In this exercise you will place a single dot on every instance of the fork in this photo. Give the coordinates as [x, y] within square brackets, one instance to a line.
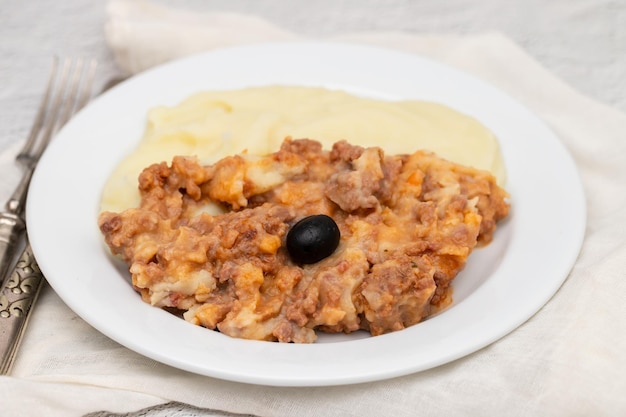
[65, 94]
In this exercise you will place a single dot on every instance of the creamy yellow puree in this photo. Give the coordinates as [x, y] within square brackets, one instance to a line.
[215, 124]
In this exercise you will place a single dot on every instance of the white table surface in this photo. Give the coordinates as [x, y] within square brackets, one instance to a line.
[581, 41]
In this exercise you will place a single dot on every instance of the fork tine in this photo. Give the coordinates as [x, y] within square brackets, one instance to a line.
[51, 117]
[87, 87]
[76, 100]
[41, 112]
[74, 91]
[69, 103]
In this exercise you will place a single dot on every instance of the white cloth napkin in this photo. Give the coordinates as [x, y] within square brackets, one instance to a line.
[567, 360]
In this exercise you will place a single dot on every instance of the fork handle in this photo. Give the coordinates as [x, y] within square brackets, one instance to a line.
[12, 224]
[17, 296]
[11, 229]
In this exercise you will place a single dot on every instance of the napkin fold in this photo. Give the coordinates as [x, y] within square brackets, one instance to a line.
[142, 34]
[567, 360]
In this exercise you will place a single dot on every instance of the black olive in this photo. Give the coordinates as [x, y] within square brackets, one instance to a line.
[312, 239]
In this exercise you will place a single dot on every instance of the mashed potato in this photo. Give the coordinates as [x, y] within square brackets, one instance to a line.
[212, 125]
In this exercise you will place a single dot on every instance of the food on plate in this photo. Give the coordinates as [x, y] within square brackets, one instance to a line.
[406, 224]
[214, 124]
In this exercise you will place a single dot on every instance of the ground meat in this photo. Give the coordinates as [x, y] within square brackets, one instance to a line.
[407, 222]
[355, 188]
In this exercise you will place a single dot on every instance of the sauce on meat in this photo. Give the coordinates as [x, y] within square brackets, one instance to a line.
[407, 224]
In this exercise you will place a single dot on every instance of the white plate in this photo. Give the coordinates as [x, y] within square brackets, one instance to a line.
[502, 286]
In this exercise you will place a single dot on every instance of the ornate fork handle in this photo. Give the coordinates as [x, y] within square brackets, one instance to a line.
[18, 294]
[12, 224]
[11, 229]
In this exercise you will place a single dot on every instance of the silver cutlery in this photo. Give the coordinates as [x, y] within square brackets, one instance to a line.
[68, 90]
